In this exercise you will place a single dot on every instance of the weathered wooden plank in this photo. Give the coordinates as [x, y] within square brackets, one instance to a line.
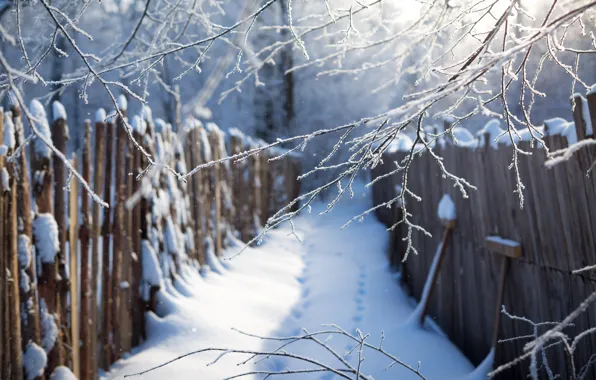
[86, 318]
[106, 275]
[503, 246]
[73, 240]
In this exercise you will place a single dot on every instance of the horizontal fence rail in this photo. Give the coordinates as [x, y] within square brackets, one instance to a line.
[80, 278]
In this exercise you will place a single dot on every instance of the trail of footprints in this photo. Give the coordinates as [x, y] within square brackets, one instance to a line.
[358, 299]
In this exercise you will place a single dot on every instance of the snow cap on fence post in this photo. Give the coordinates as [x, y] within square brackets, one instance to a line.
[139, 125]
[45, 233]
[9, 136]
[100, 116]
[446, 211]
[42, 126]
[122, 103]
[58, 111]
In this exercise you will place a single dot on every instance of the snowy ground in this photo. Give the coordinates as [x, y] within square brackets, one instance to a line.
[331, 276]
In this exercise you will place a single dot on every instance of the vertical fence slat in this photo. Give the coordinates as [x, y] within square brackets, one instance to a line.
[4, 307]
[86, 324]
[49, 278]
[70, 294]
[106, 275]
[73, 205]
[119, 237]
[30, 324]
[59, 139]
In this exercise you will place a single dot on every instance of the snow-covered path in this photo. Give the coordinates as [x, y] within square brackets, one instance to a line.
[330, 276]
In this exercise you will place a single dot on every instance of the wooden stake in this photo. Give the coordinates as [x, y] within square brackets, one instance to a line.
[106, 276]
[29, 324]
[86, 292]
[49, 280]
[13, 282]
[73, 270]
[59, 139]
[449, 226]
[137, 302]
[119, 237]
[97, 188]
[508, 249]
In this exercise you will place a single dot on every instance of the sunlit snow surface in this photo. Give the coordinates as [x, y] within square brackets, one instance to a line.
[331, 276]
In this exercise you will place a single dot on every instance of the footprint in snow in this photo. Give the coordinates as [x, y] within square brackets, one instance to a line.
[302, 278]
[305, 292]
[297, 313]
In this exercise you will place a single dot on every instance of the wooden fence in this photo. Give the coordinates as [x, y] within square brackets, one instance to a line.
[84, 307]
[556, 229]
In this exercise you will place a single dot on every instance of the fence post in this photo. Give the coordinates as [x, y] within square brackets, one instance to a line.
[254, 186]
[137, 302]
[4, 306]
[30, 324]
[48, 280]
[216, 185]
[118, 235]
[86, 295]
[264, 169]
[130, 254]
[59, 139]
[197, 191]
[591, 98]
[206, 190]
[238, 188]
[106, 289]
[9, 189]
[578, 117]
[73, 271]
[98, 179]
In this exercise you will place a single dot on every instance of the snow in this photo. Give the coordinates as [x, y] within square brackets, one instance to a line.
[235, 132]
[147, 114]
[122, 102]
[24, 251]
[212, 260]
[100, 115]
[34, 361]
[203, 113]
[152, 274]
[58, 111]
[4, 180]
[205, 145]
[503, 241]
[585, 114]
[41, 123]
[562, 127]
[139, 125]
[494, 130]
[284, 285]
[62, 373]
[45, 235]
[434, 267]
[9, 136]
[49, 329]
[446, 210]
[481, 372]
[464, 138]
[3, 150]
[401, 143]
[170, 237]
[160, 126]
